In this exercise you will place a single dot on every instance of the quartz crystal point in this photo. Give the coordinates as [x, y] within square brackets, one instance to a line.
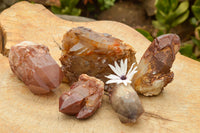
[84, 97]
[33, 65]
[89, 52]
[154, 67]
[126, 103]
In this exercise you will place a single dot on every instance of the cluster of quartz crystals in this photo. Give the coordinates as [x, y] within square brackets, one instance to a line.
[33, 65]
[89, 52]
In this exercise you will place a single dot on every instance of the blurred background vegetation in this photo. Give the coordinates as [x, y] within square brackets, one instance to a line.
[151, 18]
[86, 7]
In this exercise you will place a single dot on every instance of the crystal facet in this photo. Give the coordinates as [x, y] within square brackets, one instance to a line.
[33, 64]
[89, 52]
[84, 97]
[154, 67]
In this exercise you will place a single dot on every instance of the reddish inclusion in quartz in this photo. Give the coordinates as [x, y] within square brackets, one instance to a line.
[33, 64]
[84, 97]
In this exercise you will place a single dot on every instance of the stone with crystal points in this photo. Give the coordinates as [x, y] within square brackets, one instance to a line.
[84, 97]
[33, 65]
[89, 52]
[154, 67]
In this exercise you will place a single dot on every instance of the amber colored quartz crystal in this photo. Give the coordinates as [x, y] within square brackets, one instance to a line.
[154, 67]
[89, 52]
[33, 65]
[84, 97]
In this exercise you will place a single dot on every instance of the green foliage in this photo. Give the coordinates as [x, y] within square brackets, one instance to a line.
[145, 34]
[196, 19]
[196, 42]
[67, 7]
[105, 4]
[196, 9]
[160, 32]
[70, 6]
[170, 13]
[148, 35]
[188, 51]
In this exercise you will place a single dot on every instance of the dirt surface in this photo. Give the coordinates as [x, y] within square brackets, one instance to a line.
[184, 30]
[130, 13]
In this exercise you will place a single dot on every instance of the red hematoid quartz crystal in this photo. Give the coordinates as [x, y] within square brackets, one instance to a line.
[33, 64]
[84, 97]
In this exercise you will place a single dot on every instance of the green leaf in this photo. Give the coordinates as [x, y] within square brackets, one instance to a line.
[161, 16]
[181, 19]
[163, 5]
[196, 11]
[105, 4]
[193, 21]
[76, 11]
[174, 4]
[182, 8]
[73, 3]
[159, 33]
[196, 42]
[67, 7]
[158, 25]
[66, 10]
[169, 14]
[109, 3]
[187, 50]
[145, 34]
[56, 10]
